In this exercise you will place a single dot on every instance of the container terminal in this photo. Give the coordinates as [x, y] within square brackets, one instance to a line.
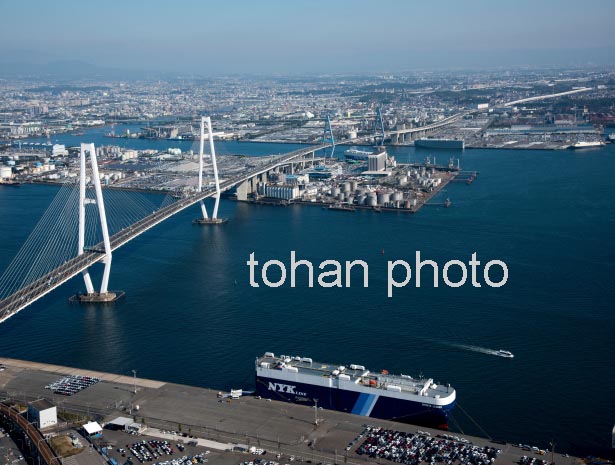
[225, 428]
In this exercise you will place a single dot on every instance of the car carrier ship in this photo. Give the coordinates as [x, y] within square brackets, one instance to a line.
[354, 389]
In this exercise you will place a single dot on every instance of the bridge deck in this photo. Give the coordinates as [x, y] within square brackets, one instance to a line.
[42, 286]
[20, 299]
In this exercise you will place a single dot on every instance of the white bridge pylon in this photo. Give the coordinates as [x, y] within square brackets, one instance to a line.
[83, 201]
[206, 120]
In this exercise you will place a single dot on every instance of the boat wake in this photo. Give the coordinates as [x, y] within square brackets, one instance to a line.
[484, 350]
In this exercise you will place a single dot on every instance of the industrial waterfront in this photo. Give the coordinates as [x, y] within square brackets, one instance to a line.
[548, 214]
[329, 233]
[229, 427]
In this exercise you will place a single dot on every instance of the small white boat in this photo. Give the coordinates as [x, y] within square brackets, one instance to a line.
[504, 353]
[587, 144]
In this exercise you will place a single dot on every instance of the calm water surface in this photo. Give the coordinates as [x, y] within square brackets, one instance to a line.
[190, 315]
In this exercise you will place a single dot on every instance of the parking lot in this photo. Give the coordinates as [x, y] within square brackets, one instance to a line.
[130, 449]
[72, 384]
[9, 452]
[415, 448]
[532, 461]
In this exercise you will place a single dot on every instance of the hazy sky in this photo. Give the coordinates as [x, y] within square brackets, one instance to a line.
[302, 36]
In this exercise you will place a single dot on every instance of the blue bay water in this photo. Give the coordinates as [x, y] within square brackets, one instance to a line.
[191, 316]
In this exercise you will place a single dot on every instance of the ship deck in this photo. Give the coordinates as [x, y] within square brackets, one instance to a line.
[361, 376]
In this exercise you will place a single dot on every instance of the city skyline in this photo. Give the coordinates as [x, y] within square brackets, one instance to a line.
[314, 37]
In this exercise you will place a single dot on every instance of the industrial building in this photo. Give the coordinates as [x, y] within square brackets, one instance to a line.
[42, 413]
[283, 192]
[124, 424]
[6, 172]
[92, 429]
[118, 424]
[377, 161]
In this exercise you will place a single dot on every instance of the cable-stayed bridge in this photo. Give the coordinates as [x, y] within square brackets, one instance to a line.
[40, 268]
[37, 288]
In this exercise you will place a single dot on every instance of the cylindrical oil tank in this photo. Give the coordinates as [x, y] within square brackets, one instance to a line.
[346, 187]
[397, 196]
[403, 180]
[361, 200]
[335, 191]
[371, 201]
[353, 185]
[350, 199]
[384, 197]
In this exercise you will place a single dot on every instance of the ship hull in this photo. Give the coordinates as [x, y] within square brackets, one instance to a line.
[359, 403]
[451, 144]
[359, 157]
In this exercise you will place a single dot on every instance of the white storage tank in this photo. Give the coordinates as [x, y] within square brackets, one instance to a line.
[384, 197]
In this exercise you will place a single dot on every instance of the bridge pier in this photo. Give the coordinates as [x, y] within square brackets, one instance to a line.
[242, 191]
[249, 186]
